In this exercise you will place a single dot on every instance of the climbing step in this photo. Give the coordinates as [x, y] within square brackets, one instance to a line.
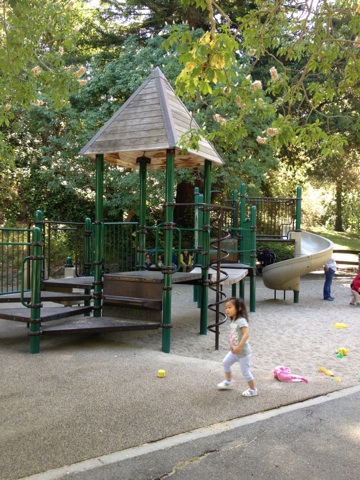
[76, 282]
[98, 324]
[46, 296]
[46, 313]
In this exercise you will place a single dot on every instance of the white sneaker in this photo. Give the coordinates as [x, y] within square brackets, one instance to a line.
[250, 392]
[225, 385]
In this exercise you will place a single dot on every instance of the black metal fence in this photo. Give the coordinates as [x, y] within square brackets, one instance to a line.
[274, 216]
[14, 247]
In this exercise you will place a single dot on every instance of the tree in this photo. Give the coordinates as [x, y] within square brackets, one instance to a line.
[305, 58]
[33, 54]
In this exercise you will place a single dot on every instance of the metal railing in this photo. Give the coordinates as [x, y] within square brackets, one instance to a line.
[15, 244]
[275, 216]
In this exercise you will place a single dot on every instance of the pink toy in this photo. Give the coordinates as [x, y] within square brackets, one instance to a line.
[284, 375]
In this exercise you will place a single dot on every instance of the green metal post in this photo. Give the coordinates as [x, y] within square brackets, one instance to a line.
[197, 238]
[168, 234]
[298, 227]
[253, 257]
[200, 247]
[99, 235]
[205, 250]
[39, 222]
[143, 161]
[36, 274]
[87, 247]
[298, 209]
[242, 217]
[87, 258]
[235, 215]
[234, 229]
[241, 288]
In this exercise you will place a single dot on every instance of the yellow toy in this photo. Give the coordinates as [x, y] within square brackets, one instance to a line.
[343, 351]
[340, 325]
[327, 372]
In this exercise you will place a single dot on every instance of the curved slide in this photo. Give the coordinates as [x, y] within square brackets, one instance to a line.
[315, 251]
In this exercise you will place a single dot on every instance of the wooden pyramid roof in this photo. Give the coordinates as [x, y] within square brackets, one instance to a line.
[149, 123]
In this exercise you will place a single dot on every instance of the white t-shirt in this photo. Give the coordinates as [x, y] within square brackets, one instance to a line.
[236, 334]
[331, 264]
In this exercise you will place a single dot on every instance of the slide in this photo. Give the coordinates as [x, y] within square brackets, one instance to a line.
[314, 250]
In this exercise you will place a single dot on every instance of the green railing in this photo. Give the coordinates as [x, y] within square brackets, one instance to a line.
[15, 245]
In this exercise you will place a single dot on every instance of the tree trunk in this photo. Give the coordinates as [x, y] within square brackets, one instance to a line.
[338, 206]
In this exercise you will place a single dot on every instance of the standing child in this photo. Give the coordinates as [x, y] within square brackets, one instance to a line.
[240, 350]
[329, 270]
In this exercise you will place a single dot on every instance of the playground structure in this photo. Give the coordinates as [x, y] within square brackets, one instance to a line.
[144, 134]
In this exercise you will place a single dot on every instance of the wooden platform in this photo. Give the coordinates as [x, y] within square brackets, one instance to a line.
[98, 324]
[46, 296]
[83, 283]
[228, 276]
[155, 276]
[46, 313]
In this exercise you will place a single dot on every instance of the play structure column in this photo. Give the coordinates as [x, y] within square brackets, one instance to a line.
[253, 258]
[99, 234]
[297, 234]
[35, 314]
[198, 221]
[205, 249]
[143, 162]
[242, 221]
[168, 234]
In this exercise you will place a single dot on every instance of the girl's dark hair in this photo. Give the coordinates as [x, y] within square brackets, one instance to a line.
[240, 307]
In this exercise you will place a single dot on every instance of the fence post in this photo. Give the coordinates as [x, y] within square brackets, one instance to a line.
[235, 214]
[35, 306]
[242, 218]
[87, 247]
[253, 258]
[298, 209]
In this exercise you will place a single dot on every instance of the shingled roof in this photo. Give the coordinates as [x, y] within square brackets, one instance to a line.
[149, 123]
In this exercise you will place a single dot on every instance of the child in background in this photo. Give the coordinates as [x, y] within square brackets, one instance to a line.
[329, 270]
[355, 290]
[148, 261]
[240, 350]
[186, 261]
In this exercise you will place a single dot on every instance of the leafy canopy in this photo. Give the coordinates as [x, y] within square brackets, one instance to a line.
[33, 54]
[301, 44]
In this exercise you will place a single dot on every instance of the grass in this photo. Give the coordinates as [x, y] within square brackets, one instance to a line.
[341, 240]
